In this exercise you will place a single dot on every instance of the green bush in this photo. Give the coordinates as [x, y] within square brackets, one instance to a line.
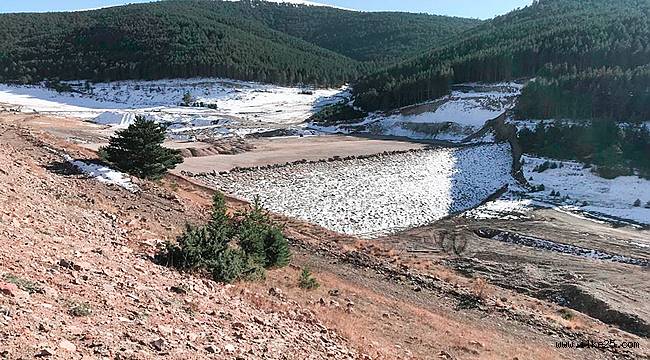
[612, 172]
[276, 248]
[228, 266]
[230, 249]
[611, 149]
[307, 281]
[138, 150]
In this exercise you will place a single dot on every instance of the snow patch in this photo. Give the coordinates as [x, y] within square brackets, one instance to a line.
[588, 192]
[228, 105]
[103, 174]
[119, 119]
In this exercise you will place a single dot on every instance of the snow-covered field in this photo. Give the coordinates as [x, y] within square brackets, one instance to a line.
[239, 106]
[450, 118]
[377, 195]
[590, 193]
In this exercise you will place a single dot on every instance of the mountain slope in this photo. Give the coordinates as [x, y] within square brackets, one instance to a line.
[168, 39]
[383, 37]
[78, 275]
[248, 40]
[542, 39]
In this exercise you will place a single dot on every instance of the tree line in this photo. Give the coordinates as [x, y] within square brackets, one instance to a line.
[610, 93]
[613, 149]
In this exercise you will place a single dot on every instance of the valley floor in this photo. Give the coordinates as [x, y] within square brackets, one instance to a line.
[77, 280]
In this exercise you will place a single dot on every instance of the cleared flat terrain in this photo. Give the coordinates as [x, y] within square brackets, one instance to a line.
[289, 149]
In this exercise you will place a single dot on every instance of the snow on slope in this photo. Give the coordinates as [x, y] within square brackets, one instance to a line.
[239, 104]
[377, 195]
[450, 118]
[103, 174]
[590, 193]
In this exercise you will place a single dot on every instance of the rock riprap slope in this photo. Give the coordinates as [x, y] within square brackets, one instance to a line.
[379, 194]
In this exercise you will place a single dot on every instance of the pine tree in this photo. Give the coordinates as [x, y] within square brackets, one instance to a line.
[220, 226]
[138, 150]
[277, 249]
[307, 281]
[228, 266]
[252, 232]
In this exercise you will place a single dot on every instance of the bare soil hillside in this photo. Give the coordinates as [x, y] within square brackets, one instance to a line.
[77, 281]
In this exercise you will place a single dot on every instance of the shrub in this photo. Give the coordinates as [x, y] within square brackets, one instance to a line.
[228, 266]
[647, 205]
[79, 309]
[337, 114]
[24, 284]
[261, 240]
[566, 314]
[229, 249]
[637, 203]
[277, 249]
[542, 167]
[612, 172]
[307, 281]
[138, 150]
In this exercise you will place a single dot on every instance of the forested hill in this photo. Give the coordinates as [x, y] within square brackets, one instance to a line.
[248, 40]
[583, 53]
[382, 37]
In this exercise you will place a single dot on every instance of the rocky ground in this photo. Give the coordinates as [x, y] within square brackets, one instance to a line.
[77, 281]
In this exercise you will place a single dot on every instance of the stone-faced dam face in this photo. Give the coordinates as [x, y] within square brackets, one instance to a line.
[380, 194]
[504, 132]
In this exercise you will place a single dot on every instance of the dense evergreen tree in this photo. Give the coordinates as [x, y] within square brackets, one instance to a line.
[610, 93]
[138, 150]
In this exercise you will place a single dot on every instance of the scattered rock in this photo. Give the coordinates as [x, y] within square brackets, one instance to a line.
[44, 352]
[180, 289]
[477, 344]
[275, 292]
[69, 265]
[9, 289]
[158, 345]
[67, 346]
[212, 349]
